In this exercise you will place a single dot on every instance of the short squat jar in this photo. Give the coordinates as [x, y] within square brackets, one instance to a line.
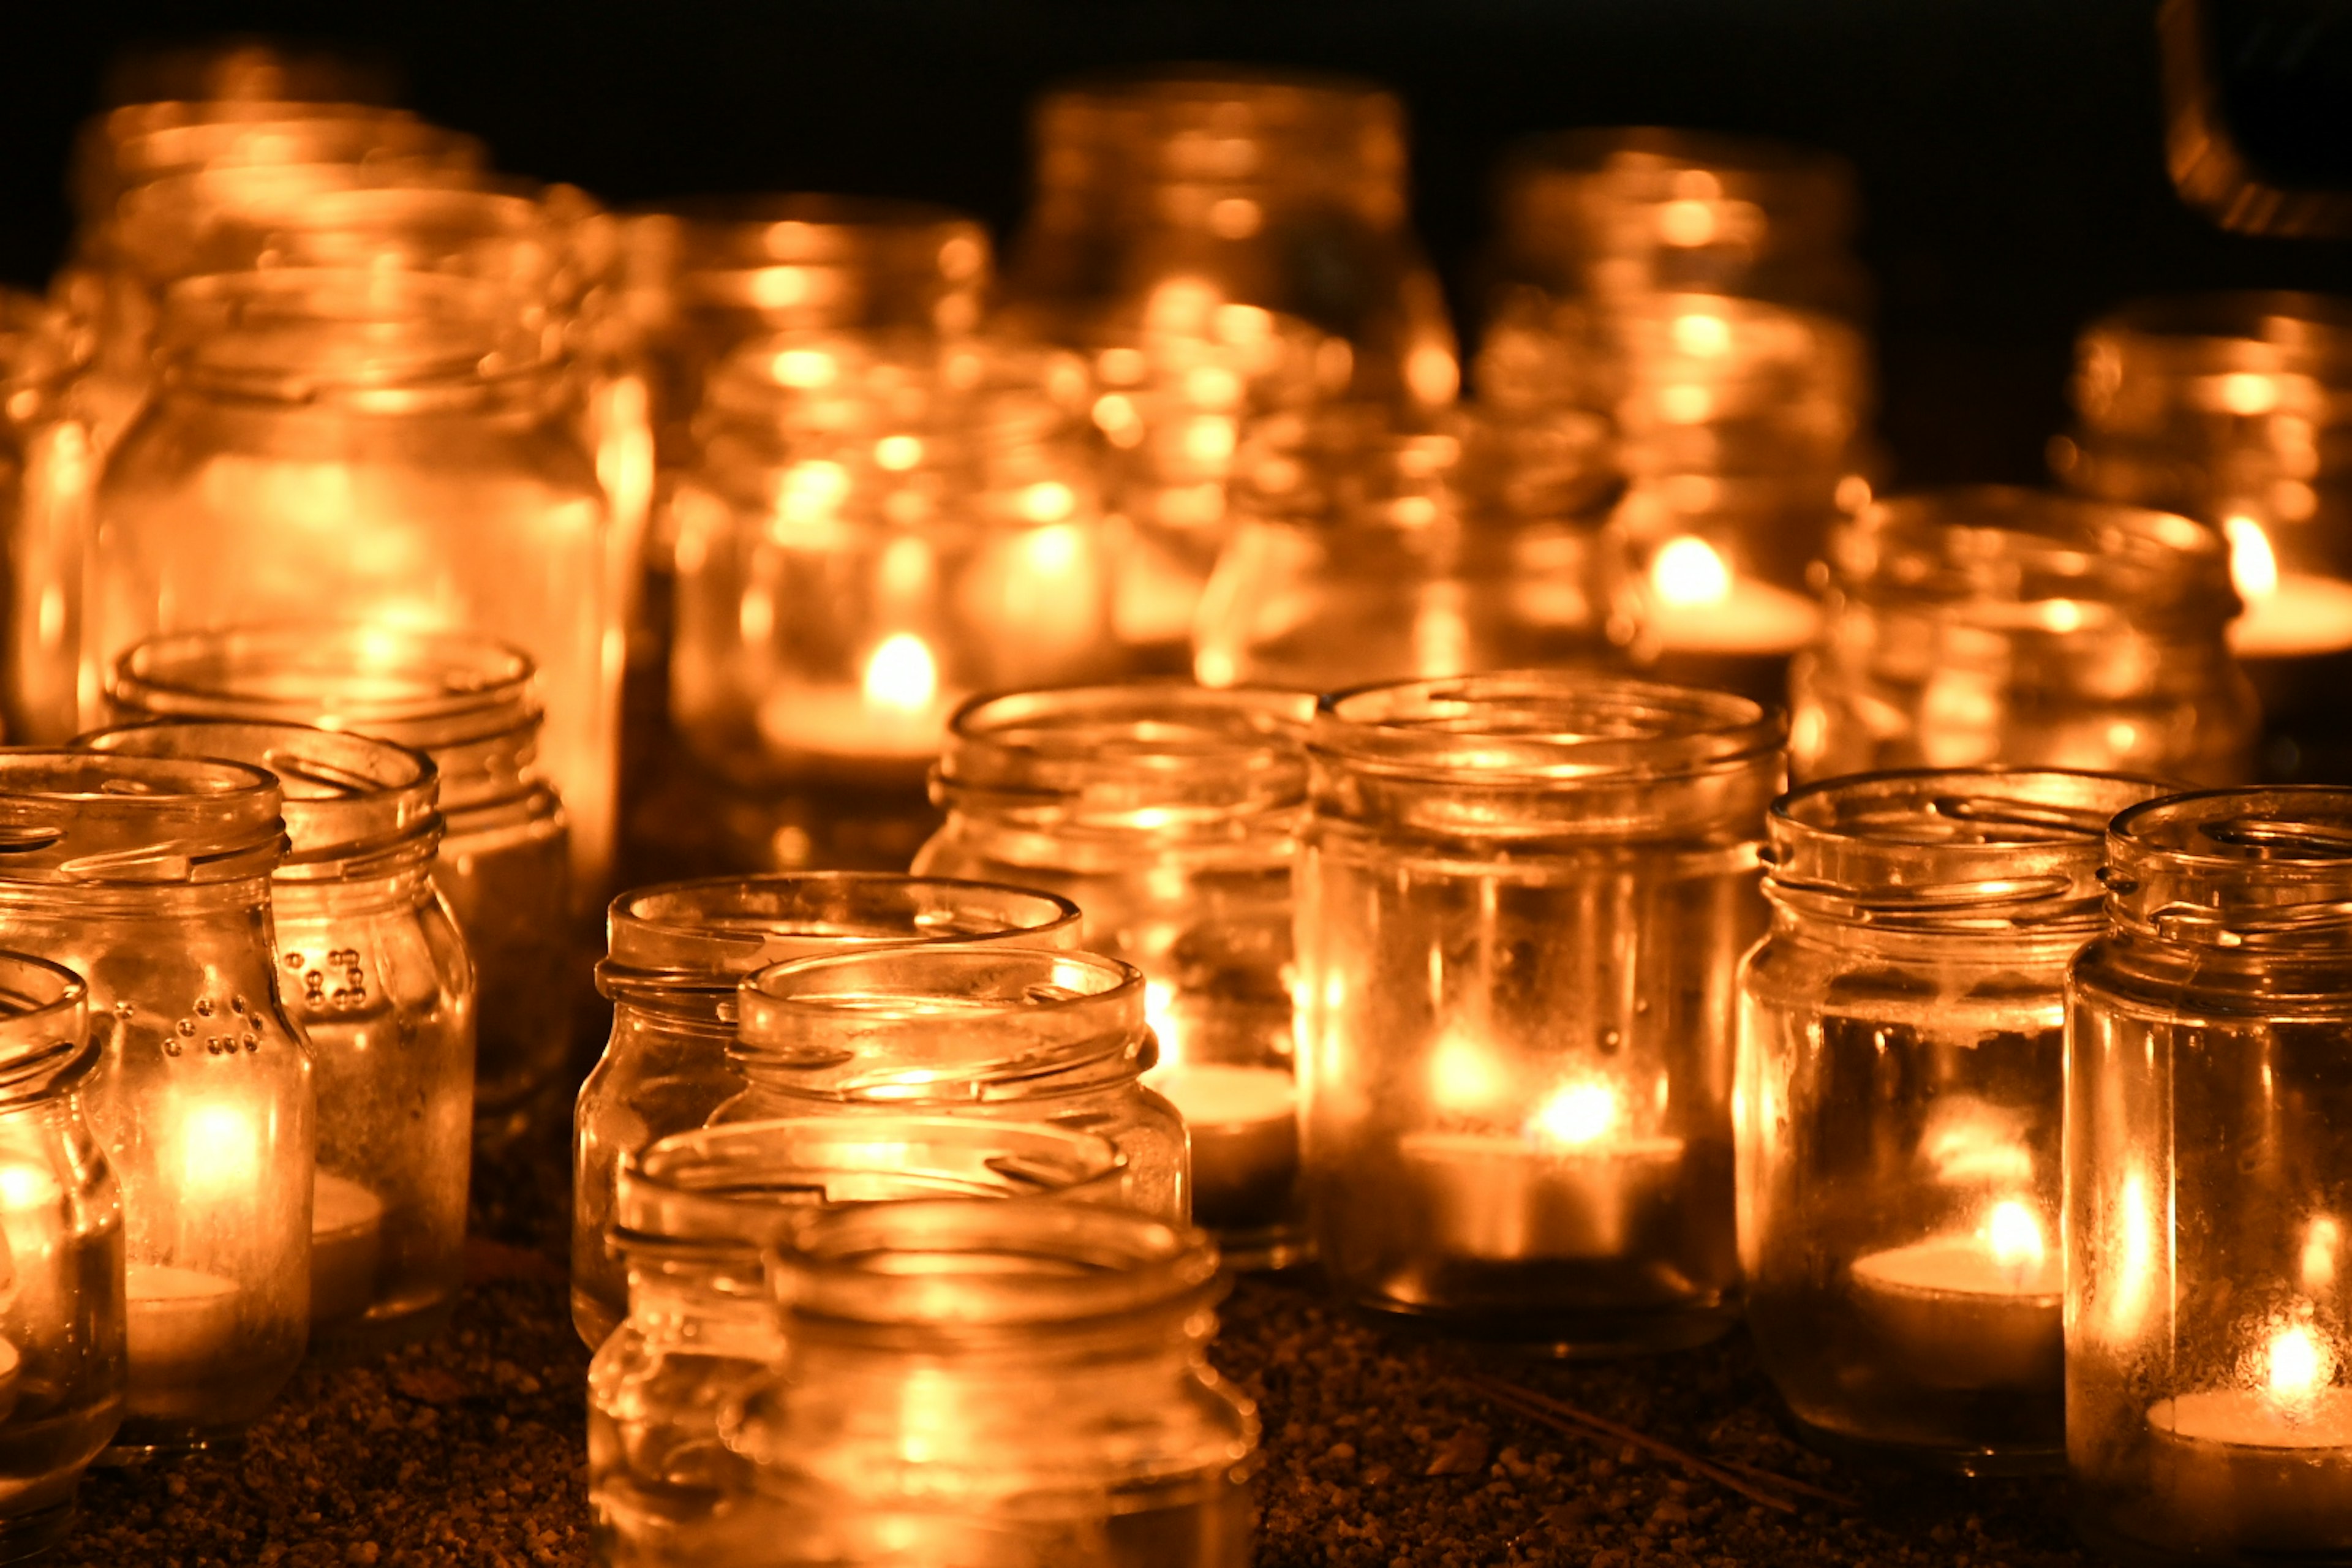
[2209, 1184]
[1902, 1048]
[471, 705]
[372, 969]
[1521, 903]
[1170, 816]
[1016, 1034]
[692, 1214]
[150, 878]
[678, 952]
[62, 1358]
[1031, 1371]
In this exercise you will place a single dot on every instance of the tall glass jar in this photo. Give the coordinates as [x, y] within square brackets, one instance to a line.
[472, 706]
[1521, 903]
[372, 971]
[1902, 1048]
[1032, 1367]
[678, 951]
[1990, 625]
[62, 1358]
[305, 413]
[150, 878]
[48, 473]
[1169, 815]
[2209, 1184]
[1017, 1033]
[693, 1212]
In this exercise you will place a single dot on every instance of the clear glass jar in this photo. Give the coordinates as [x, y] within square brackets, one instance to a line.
[62, 1358]
[692, 1213]
[1032, 1367]
[1018, 1034]
[1902, 1048]
[303, 411]
[872, 532]
[48, 473]
[472, 706]
[2209, 1184]
[1989, 625]
[678, 951]
[1169, 815]
[1521, 903]
[372, 971]
[150, 878]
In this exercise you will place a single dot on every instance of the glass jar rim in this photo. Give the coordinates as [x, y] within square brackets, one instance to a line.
[90, 817]
[738, 233]
[2249, 329]
[44, 1015]
[299, 333]
[2268, 865]
[392, 138]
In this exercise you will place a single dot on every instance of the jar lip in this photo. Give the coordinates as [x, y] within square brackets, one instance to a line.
[299, 332]
[1229, 92]
[707, 933]
[2261, 867]
[2278, 324]
[92, 817]
[1556, 728]
[384, 137]
[1016, 1262]
[736, 231]
[1649, 162]
[44, 1013]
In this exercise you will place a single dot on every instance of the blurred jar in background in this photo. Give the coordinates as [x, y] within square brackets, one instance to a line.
[471, 705]
[871, 533]
[48, 472]
[2236, 409]
[1699, 289]
[1364, 553]
[404, 446]
[1988, 626]
[1200, 232]
[247, 69]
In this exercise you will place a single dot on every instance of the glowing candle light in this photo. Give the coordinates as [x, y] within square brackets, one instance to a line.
[1700, 605]
[2288, 613]
[1973, 1310]
[2268, 1461]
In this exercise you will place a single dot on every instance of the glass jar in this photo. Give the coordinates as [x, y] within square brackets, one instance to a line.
[872, 532]
[372, 971]
[1169, 815]
[1989, 625]
[677, 952]
[1901, 1047]
[1521, 903]
[303, 411]
[692, 1213]
[62, 1358]
[2209, 1183]
[472, 706]
[48, 473]
[150, 878]
[1032, 1367]
[1018, 1034]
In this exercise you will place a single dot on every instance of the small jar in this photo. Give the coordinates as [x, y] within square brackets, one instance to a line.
[1988, 626]
[150, 878]
[1169, 815]
[677, 952]
[2209, 1184]
[1038, 1369]
[693, 1212]
[1902, 1048]
[472, 706]
[62, 1359]
[1015, 1034]
[1521, 903]
[372, 971]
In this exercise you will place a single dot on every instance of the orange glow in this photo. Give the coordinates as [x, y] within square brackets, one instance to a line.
[1160, 1012]
[1464, 1077]
[2253, 565]
[2015, 1236]
[2296, 1365]
[1581, 1114]
[901, 675]
[1688, 571]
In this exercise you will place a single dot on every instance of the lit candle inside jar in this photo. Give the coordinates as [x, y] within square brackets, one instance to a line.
[2266, 1466]
[1699, 605]
[346, 1246]
[1241, 1121]
[181, 1323]
[1981, 1311]
[896, 712]
[2288, 614]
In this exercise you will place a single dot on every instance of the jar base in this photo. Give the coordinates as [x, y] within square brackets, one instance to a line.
[373, 1334]
[2131, 1552]
[1956, 1458]
[1581, 1334]
[28, 1535]
[141, 1443]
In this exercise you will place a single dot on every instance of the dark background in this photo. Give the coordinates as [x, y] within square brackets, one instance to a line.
[2010, 150]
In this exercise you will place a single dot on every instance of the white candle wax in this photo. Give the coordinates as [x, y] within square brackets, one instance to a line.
[1512, 1198]
[1243, 1122]
[180, 1320]
[1957, 1316]
[2302, 615]
[346, 1248]
[1751, 618]
[2246, 1469]
[841, 723]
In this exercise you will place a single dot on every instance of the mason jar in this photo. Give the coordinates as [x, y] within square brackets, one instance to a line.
[1170, 815]
[1032, 1368]
[693, 1212]
[150, 878]
[1902, 1052]
[2209, 1184]
[989, 1030]
[1521, 903]
[372, 971]
[302, 410]
[1986, 626]
[678, 951]
[471, 705]
[62, 1357]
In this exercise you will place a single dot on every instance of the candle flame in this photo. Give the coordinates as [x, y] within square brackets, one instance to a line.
[2298, 1365]
[1688, 571]
[900, 674]
[2253, 565]
[2321, 1243]
[2015, 1236]
[1160, 1012]
[1464, 1077]
[1578, 1115]
[220, 1149]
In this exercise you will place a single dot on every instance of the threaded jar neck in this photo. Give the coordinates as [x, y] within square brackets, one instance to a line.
[86, 818]
[2262, 870]
[44, 1026]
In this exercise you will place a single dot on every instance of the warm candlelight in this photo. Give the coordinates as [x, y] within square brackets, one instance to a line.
[2288, 613]
[1243, 1122]
[1975, 1310]
[1699, 605]
[897, 711]
[346, 1246]
[2267, 1463]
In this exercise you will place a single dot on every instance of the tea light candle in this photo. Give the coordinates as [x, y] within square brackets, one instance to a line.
[1699, 605]
[1982, 1311]
[1243, 1122]
[897, 711]
[2301, 616]
[346, 1246]
[1572, 1186]
[2269, 1469]
[179, 1320]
